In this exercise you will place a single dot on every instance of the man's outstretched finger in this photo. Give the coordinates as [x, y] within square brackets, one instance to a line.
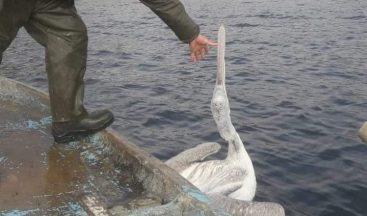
[198, 55]
[203, 53]
[192, 57]
[206, 50]
[211, 43]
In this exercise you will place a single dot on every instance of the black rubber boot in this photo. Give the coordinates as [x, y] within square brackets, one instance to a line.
[73, 130]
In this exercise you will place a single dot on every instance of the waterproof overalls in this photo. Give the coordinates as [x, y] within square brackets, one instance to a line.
[56, 25]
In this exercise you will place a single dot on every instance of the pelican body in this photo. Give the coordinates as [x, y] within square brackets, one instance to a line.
[234, 176]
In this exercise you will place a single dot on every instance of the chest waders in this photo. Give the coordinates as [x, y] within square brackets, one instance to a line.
[56, 25]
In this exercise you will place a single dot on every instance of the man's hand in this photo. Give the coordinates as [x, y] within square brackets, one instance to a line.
[199, 47]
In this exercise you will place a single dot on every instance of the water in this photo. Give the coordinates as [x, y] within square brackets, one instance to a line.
[296, 81]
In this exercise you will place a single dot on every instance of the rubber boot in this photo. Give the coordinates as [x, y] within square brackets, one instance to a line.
[73, 130]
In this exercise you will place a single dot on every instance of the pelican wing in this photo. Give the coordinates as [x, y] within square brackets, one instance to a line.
[227, 188]
[245, 208]
[196, 154]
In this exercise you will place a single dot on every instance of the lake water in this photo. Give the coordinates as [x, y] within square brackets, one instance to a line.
[296, 79]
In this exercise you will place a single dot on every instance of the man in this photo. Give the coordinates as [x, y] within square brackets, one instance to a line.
[56, 25]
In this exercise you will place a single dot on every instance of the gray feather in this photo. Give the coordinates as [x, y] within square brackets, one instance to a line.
[198, 153]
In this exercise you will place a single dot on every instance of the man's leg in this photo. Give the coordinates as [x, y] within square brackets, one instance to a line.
[13, 15]
[56, 25]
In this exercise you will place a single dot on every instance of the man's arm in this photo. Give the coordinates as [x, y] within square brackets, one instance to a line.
[173, 13]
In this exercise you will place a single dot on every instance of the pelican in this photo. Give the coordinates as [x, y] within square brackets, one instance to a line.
[233, 177]
[363, 132]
